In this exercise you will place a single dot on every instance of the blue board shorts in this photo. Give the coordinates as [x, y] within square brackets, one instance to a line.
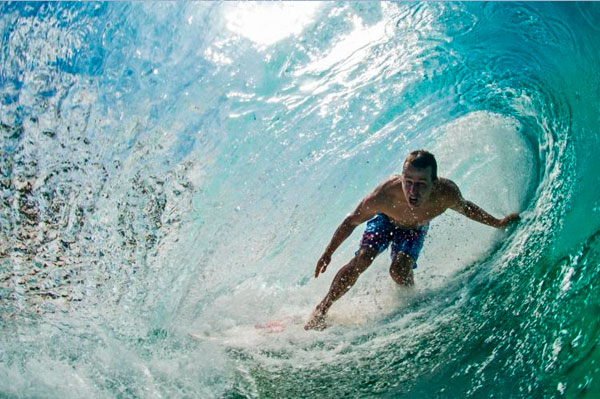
[381, 231]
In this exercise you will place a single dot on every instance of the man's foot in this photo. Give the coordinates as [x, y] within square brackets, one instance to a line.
[316, 322]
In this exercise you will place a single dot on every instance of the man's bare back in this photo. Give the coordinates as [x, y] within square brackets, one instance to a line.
[407, 202]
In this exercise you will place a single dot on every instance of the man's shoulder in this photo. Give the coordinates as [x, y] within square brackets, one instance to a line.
[394, 179]
[392, 183]
[447, 188]
[447, 183]
[388, 187]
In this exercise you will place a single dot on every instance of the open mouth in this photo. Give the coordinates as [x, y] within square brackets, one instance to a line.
[413, 200]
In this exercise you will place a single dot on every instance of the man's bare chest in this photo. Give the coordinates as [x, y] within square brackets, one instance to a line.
[407, 217]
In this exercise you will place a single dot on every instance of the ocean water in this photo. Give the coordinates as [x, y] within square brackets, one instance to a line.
[171, 172]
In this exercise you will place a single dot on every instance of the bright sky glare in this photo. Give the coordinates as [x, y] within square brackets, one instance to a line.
[266, 23]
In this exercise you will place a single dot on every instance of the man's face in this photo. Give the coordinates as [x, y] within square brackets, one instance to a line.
[416, 184]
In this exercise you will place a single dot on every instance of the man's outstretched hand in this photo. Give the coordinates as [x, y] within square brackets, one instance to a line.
[510, 219]
[322, 264]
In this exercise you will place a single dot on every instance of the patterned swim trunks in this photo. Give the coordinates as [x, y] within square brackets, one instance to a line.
[381, 231]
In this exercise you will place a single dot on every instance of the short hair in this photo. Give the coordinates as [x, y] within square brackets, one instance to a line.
[423, 159]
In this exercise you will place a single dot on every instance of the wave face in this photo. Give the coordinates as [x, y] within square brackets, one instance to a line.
[171, 172]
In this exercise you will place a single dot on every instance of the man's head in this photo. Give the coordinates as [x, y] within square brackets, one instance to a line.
[418, 175]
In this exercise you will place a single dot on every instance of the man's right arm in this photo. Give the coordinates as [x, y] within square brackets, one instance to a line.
[365, 211]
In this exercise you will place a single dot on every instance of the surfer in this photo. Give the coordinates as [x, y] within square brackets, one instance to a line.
[397, 212]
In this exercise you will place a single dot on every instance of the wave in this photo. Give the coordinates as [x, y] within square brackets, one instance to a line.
[171, 172]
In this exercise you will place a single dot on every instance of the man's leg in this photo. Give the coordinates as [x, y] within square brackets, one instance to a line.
[342, 282]
[401, 269]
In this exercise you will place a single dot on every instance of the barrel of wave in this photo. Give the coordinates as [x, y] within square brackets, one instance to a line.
[487, 155]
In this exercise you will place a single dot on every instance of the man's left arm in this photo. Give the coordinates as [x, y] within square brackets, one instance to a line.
[474, 212]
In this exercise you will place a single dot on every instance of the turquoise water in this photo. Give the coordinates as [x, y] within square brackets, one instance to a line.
[171, 172]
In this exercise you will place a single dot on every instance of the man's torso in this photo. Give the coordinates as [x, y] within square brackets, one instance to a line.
[392, 202]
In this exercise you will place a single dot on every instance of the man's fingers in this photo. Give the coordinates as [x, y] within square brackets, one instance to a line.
[514, 218]
[321, 267]
[318, 270]
[510, 219]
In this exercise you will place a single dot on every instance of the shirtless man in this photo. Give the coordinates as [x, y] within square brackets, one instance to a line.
[398, 211]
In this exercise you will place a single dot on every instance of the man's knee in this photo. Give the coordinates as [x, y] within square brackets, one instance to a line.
[402, 263]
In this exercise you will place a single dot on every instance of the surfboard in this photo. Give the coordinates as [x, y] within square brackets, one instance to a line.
[272, 326]
[244, 335]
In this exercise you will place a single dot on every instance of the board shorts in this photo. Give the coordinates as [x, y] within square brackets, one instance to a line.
[381, 231]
